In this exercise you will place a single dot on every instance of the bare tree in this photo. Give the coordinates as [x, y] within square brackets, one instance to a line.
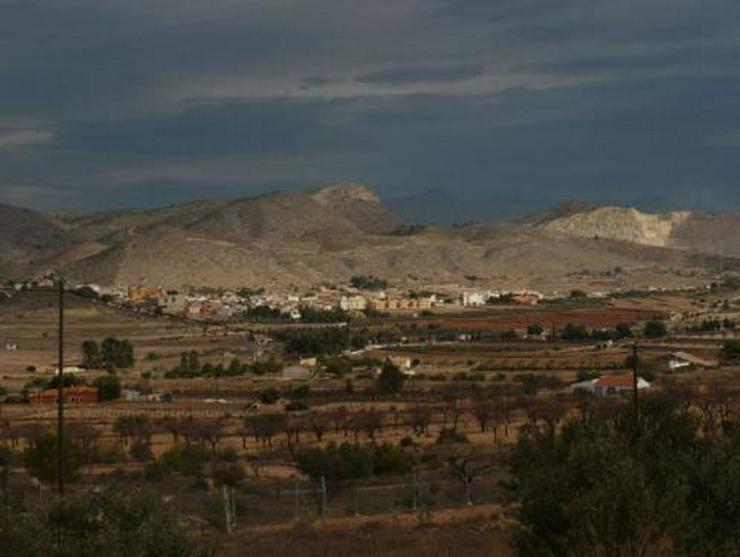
[419, 418]
[466, 467]
[319, 422]
[369, 421]
[87, 436]
[264, 427]
[483, 410]
[339, 415]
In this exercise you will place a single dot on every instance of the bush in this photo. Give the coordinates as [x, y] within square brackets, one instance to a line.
[109, 387]
[391, 379]
[133, 523]
[347, 461]
[573, 332]
[449, 436]
[606, 484]
[368, 282]
[269, 396]
[655, 328]
[188, 460]
[41, 459]
[731, 350]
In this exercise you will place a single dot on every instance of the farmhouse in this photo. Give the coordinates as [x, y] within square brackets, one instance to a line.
[353, 303]
[72, 369]
[475, 299]
[71, 395]
[141, 294]
[610, 385]
[525, 298]
[296, 372]
[132, 395]
[679, 360]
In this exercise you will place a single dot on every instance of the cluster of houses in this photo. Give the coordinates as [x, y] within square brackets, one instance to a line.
[223, 305]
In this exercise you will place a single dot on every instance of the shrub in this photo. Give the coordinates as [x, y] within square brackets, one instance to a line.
[655, 328]
[391, 379]
[188, 460]
[109, 387]
[269, 396]
[731, 350]
[450, 436]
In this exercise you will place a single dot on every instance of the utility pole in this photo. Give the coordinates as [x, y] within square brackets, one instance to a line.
[634, 375]
[60, 395]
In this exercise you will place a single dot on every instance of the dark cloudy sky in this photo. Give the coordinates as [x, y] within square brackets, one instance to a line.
[122, 102]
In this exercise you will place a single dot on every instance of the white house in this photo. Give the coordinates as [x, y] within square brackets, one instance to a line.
[353, 303]
[296, 372]
[475, 299]
[610, 384]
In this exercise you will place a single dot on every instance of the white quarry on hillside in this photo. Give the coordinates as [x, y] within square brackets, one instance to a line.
[621, 224]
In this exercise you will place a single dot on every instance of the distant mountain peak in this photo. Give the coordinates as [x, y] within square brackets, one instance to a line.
[343, 191]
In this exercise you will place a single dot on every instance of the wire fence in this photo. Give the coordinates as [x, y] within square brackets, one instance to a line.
[298, 500]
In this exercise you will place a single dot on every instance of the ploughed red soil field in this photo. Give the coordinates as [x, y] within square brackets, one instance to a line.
[590, 317]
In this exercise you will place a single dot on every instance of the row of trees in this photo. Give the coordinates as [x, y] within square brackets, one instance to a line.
[112, 353]
[190, 366]
[308, 314]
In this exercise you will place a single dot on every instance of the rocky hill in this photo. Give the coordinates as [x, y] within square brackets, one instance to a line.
[302, 238]
[696, 232]
[27, 239]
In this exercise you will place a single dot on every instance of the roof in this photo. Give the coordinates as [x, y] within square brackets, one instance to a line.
[693, 359]
[623, 381]
[70, 391]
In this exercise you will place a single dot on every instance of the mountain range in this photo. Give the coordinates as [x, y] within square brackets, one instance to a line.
[296, 239]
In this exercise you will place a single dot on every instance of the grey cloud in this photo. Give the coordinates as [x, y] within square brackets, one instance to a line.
[108, 102]
[423, 74]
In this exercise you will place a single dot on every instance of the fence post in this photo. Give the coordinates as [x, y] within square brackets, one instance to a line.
[415, 493]
[295, 501]
[357, 497]
[323, 497]
[227, 509]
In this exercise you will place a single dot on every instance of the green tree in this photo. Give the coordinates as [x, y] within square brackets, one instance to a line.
[193, 362]
[235, 367]
[109, 387]
[655, 328]
[614, 482]
[391, 379]
[573, 332]
[41, 459]
[116, 353]
[91, 357]
[731, 350]
[135, 523]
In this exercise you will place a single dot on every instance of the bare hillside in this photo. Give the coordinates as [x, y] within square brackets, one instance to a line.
[696, 232]
[302, 238]
[27, 240]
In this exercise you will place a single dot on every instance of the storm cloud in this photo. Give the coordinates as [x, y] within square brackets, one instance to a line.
[106, 103]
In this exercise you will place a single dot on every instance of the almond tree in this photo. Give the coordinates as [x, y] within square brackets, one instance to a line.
[467, 466]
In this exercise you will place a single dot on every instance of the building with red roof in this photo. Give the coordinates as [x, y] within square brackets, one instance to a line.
[72, 395]
[611, 384]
